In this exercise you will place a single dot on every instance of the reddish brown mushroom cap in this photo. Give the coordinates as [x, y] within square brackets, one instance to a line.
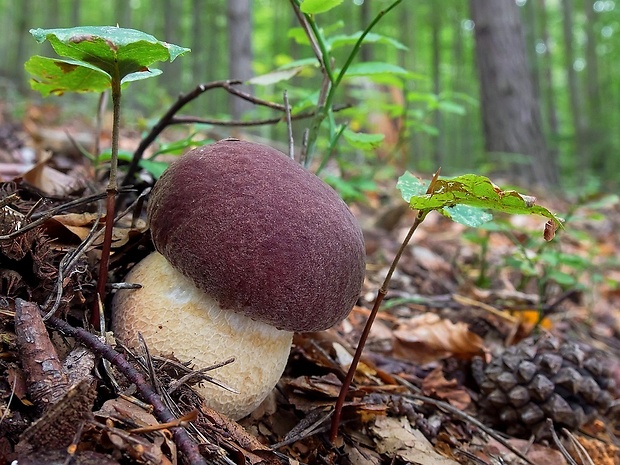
[260, 234]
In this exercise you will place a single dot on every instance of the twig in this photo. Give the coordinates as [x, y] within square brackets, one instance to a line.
[558, 443]
[464, 416]
[42, 217]
[181, 119]
[289, 126]
[373, 314]
[194, 376]
[308, 30]
[364, 336]
[185, 444]
[69, 260]
[311, 430]
[46, 378]
[583, 453]
[66, 264]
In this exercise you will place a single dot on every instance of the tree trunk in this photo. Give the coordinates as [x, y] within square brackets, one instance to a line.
[597, 139]
[201, 58]
[576, 107]
[239, 50]
[365, 19]
[510, 110]
[25, 13]
[435, 21]
[547, 74]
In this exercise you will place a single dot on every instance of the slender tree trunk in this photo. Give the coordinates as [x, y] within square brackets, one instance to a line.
[510, 110]
[597, 138]
[123, 13]
[199, 62]
[172, 76]
[239, 50]
[435, 21]
[25, 12]
[576, 108]
[529, 25]
[75, 12]
[365, 19]
[547, 78]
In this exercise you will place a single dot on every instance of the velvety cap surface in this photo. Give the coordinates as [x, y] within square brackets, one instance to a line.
[260, 234]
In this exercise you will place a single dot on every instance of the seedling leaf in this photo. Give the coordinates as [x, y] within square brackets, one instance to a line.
[318, 6]
[121, 54]
[373, 68]
[476, 192]
[57, 76]
[370, 38]
[363, 141]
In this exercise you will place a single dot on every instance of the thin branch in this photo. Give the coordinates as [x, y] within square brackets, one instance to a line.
[371, 318]
[184, 442]
[257, 122]
[289, 126]
[464, 416]
[42, 217]
[303, 21]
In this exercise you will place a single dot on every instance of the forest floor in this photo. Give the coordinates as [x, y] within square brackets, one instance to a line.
[459, 297]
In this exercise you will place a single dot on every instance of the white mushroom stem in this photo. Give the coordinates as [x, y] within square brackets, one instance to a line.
[176, 318]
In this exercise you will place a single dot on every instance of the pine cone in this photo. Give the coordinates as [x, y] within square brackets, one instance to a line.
[539, 379]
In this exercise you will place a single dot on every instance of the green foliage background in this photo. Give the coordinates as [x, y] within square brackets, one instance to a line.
[441, 117]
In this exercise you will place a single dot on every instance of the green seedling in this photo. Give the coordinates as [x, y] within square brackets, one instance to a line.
[98, 59]
[325, 44]
[464, 199]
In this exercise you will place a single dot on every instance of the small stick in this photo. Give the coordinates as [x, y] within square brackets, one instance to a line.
[373, 314]
[184, 442]
[46, 379]
[558, 443]
[289, 126]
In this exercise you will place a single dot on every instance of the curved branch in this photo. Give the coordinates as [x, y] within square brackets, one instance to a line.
[184, 442]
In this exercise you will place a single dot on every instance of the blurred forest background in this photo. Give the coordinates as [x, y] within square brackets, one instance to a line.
[430, 107]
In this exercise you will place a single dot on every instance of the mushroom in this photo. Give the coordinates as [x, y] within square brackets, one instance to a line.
[251, 247]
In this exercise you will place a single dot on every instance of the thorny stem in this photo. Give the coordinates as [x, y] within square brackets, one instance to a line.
[111, 191]
[371, 318]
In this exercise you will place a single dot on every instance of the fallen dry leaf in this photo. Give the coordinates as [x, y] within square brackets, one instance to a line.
[427, 338]
[436, 385]
[397, 439]
[49, 180]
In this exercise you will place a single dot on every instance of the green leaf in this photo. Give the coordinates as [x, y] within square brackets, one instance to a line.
[561, 278]
[275, 76]
[370, 68]
[139, 75]
[123, 54]
[342, 40]
[313, 7]
[410, 185]
[156, 168]
[451, 107]
[469, 190]
[469, 216]
[298, 35]
[57, 76]
[363, 141]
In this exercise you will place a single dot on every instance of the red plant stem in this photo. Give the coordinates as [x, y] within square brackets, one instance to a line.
[111, 191]
[364, 336]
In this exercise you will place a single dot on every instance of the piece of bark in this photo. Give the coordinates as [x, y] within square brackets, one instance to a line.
[45, 377]
[57, 428]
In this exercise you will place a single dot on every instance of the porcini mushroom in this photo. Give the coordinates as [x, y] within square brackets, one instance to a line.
[251, 247]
